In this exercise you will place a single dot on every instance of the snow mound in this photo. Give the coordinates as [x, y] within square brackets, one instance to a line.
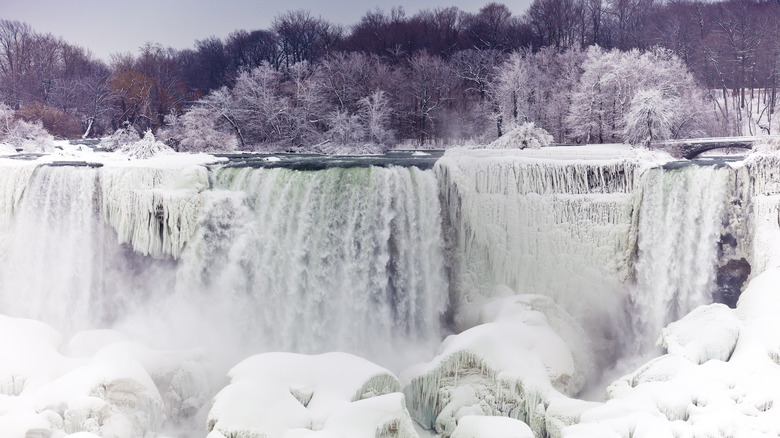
[473, 426]
[120, 390]
[337, 394]
[708, 332]
[512, 367]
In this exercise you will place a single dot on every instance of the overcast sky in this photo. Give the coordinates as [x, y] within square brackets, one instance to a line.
[111, 26]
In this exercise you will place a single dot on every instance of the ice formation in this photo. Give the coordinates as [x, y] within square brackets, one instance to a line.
[512, 364]
[333, 394]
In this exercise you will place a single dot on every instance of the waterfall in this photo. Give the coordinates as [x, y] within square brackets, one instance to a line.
[338, 259]
[680, 223]
[560, 228]
[266, 259]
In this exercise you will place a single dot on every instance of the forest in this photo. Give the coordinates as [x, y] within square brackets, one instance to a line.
[586, 71]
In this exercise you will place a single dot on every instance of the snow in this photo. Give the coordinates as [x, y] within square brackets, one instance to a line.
[512, 364]
[708, 332]
[274, 394]
[472, 426]
[115, 392]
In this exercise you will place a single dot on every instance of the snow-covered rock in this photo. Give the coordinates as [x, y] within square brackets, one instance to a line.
[511, 367]
[107, 388]
[708, 332]
[277, 394]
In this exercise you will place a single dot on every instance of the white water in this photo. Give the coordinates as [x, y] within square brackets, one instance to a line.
[557, 228]
[679, 228]
[343, 259]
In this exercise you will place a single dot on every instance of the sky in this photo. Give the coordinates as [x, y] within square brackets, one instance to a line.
[110, 26]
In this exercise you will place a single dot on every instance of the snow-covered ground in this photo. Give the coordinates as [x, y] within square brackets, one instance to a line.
[534, 318]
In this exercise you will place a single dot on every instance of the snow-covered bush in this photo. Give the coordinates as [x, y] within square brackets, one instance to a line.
[122, 137]
[147, 147]
[767, 145]
[31, 137]
[523, 136]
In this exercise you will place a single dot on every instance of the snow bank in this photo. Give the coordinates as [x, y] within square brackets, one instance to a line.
[336, 394]
[512, 366]
[700, 388]
[120, 390]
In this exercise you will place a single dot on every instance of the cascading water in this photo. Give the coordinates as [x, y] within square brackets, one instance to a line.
[340, 259]
[680, 221]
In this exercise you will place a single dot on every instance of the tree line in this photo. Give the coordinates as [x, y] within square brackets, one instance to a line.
[584, 70]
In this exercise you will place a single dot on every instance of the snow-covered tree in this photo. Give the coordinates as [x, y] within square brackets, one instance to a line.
[345, 128]
[261, 112]
[201, 129]
[122, 137]
[652, 116]
[146, 147]
[602, 108]
[375, 110]
[523, 136]
[30, 137]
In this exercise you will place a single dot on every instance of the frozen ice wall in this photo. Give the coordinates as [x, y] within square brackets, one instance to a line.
[560, 228]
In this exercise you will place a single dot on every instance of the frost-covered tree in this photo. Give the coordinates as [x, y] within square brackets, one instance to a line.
[201, 129]
[536, 86]
[261, 112]
[30, 137]
[652, 116]
[523, 136]
[602, 104]
[375, 112]
[122, 137]
[146, 147]
[345, 128]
